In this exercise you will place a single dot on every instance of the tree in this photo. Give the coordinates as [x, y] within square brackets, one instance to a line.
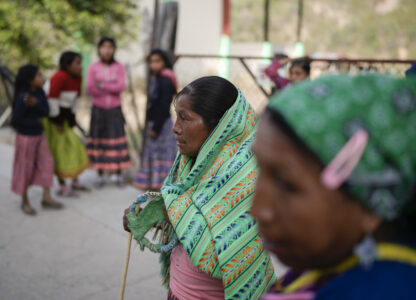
[36, 31]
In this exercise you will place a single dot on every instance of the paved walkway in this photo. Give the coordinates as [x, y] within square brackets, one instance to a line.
[76, 253]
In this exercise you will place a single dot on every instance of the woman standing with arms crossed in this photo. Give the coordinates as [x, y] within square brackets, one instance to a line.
[107, 143]
[33, 163]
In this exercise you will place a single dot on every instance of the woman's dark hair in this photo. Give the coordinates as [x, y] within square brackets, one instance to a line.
[109, 40]
[163, 55]
[304, 64]
[24, 76]
[210, 97]
[280, 56]
[67, 58]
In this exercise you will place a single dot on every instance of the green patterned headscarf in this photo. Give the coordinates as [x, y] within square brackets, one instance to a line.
[326, 112]
[208, 201]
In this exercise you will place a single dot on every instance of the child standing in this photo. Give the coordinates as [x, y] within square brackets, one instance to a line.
[67, 150]
[33, 163]
[160, 147]
[299, 70]
[107, 143]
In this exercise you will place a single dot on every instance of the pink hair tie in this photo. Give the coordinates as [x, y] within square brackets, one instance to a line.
[341, 167]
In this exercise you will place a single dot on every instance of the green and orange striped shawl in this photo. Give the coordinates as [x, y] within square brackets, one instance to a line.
[208, 200]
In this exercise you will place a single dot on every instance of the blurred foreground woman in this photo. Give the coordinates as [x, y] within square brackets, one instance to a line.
[335, 198]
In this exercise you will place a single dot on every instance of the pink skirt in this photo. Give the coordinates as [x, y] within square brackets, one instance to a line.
[33, 163]
[187, 282]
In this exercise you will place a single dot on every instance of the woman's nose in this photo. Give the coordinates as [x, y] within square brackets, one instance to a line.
[176, 128]
[260, 208]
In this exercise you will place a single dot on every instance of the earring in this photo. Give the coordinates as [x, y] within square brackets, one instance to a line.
[366, 251]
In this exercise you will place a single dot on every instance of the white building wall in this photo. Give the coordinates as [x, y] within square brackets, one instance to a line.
[199, 26]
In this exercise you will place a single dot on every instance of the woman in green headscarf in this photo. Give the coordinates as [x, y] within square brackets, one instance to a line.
[335, 199]
[207, 197]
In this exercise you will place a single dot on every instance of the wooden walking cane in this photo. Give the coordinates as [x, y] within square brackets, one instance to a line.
[126, 265]
[141, 199]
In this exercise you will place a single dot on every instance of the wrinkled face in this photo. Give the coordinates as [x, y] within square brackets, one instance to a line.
[305, 224]
[106, 51]
[37, 81]
[190, 129]
[297, 74]
[75, 68]
[156, 64]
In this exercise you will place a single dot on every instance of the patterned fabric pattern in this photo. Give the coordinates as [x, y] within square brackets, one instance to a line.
[396, 263]
[107, 143]
[325, 113]
[158, 156]
[208, 199]
[171, 296]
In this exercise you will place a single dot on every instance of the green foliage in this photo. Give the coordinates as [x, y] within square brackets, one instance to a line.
[37, 31]
[353, 28]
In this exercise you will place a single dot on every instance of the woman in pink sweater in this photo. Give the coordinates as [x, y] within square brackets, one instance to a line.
[107, 143]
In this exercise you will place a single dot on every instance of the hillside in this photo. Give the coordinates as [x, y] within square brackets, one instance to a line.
[353, 28]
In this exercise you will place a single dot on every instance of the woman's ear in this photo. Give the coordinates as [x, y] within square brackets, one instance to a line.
[370, 222]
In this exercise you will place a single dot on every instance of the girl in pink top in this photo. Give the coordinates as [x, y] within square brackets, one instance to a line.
[107, 143]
